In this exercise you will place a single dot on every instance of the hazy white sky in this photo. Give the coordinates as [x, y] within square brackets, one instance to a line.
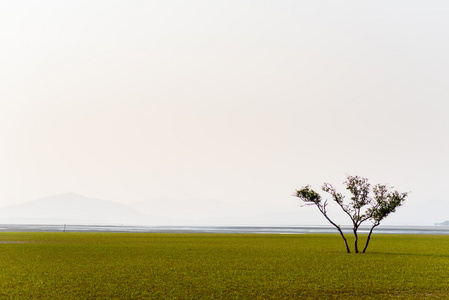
[229, 101]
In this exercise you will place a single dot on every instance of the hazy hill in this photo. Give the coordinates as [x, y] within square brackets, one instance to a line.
[74, 209]
[445, 223]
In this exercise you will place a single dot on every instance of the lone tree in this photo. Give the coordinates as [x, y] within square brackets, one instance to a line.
[360, 208]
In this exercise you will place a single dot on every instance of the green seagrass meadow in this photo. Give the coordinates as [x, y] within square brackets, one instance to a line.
[220, 266]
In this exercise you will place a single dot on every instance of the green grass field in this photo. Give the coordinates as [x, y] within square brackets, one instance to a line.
[220, 266]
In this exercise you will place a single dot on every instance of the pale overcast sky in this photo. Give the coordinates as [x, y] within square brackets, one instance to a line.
[224, 101]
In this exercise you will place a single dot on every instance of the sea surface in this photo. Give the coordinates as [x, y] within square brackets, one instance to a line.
[220, 229]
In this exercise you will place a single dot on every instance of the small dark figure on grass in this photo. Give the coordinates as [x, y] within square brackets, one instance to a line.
[360, 208]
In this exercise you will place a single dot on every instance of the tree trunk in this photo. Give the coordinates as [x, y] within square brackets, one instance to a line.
[369, 237]
[323, 211]
[356, 248]
[339, 230]
[343, 236]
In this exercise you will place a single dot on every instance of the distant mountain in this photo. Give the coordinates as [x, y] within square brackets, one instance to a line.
[445, 223]
[74, 209]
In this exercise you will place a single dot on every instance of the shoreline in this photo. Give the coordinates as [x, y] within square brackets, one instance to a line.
[437, 229]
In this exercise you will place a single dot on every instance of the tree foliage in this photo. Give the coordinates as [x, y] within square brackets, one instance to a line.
[361, 206]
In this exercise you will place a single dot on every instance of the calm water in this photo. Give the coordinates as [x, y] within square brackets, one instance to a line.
[220, 229]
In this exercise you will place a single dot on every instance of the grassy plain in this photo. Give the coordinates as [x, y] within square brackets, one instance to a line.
[220, 266]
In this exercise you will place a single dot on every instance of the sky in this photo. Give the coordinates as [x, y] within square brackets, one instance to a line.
[234, 102]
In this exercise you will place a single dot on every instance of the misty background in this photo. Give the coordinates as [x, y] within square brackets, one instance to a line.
[214, 112]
